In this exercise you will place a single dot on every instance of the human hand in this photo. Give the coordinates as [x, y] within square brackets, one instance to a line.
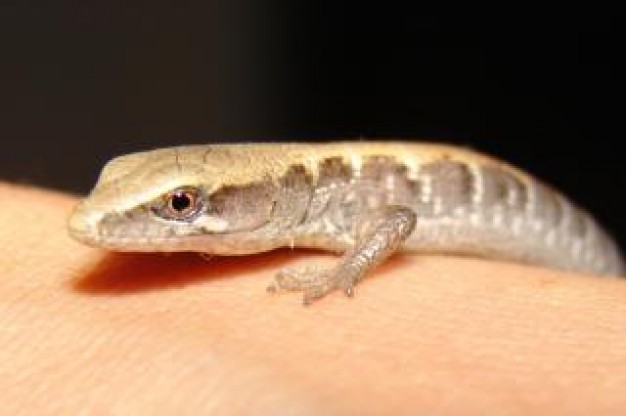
[83, 330]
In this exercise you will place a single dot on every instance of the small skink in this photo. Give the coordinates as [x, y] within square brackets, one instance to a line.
[364, 199]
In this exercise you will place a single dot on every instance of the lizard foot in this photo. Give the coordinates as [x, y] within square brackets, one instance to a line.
[388, 228]
[313, 282]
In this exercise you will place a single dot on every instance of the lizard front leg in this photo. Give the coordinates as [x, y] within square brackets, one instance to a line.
[381, 233]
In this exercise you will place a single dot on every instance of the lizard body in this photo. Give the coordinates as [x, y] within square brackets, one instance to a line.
[365, 199]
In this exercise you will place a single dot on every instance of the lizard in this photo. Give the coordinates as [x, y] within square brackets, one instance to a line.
[365, 199]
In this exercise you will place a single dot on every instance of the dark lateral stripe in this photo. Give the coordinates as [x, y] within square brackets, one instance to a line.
[335, 168]
[381, 167]
[517, 192]
[452, 184]
[502, 188]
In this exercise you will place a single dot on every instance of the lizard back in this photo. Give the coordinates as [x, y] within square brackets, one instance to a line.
[466, 203]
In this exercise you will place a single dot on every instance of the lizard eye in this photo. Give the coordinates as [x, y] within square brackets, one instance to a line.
[180, 204]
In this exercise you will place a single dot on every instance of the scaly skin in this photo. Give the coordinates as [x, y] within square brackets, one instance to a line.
[366, 199]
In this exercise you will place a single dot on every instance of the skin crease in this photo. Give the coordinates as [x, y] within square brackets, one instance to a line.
[84, 331]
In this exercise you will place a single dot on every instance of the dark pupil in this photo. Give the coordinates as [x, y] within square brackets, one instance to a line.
[180, 202]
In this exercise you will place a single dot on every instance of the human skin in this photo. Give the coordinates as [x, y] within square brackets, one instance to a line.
[83, 331]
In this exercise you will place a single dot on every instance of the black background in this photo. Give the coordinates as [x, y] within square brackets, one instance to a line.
[83, 82]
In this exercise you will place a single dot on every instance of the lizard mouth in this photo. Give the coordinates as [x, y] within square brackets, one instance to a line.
[126, 243]
[84, 225]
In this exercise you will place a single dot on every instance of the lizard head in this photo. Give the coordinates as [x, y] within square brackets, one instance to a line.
[176, 199]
